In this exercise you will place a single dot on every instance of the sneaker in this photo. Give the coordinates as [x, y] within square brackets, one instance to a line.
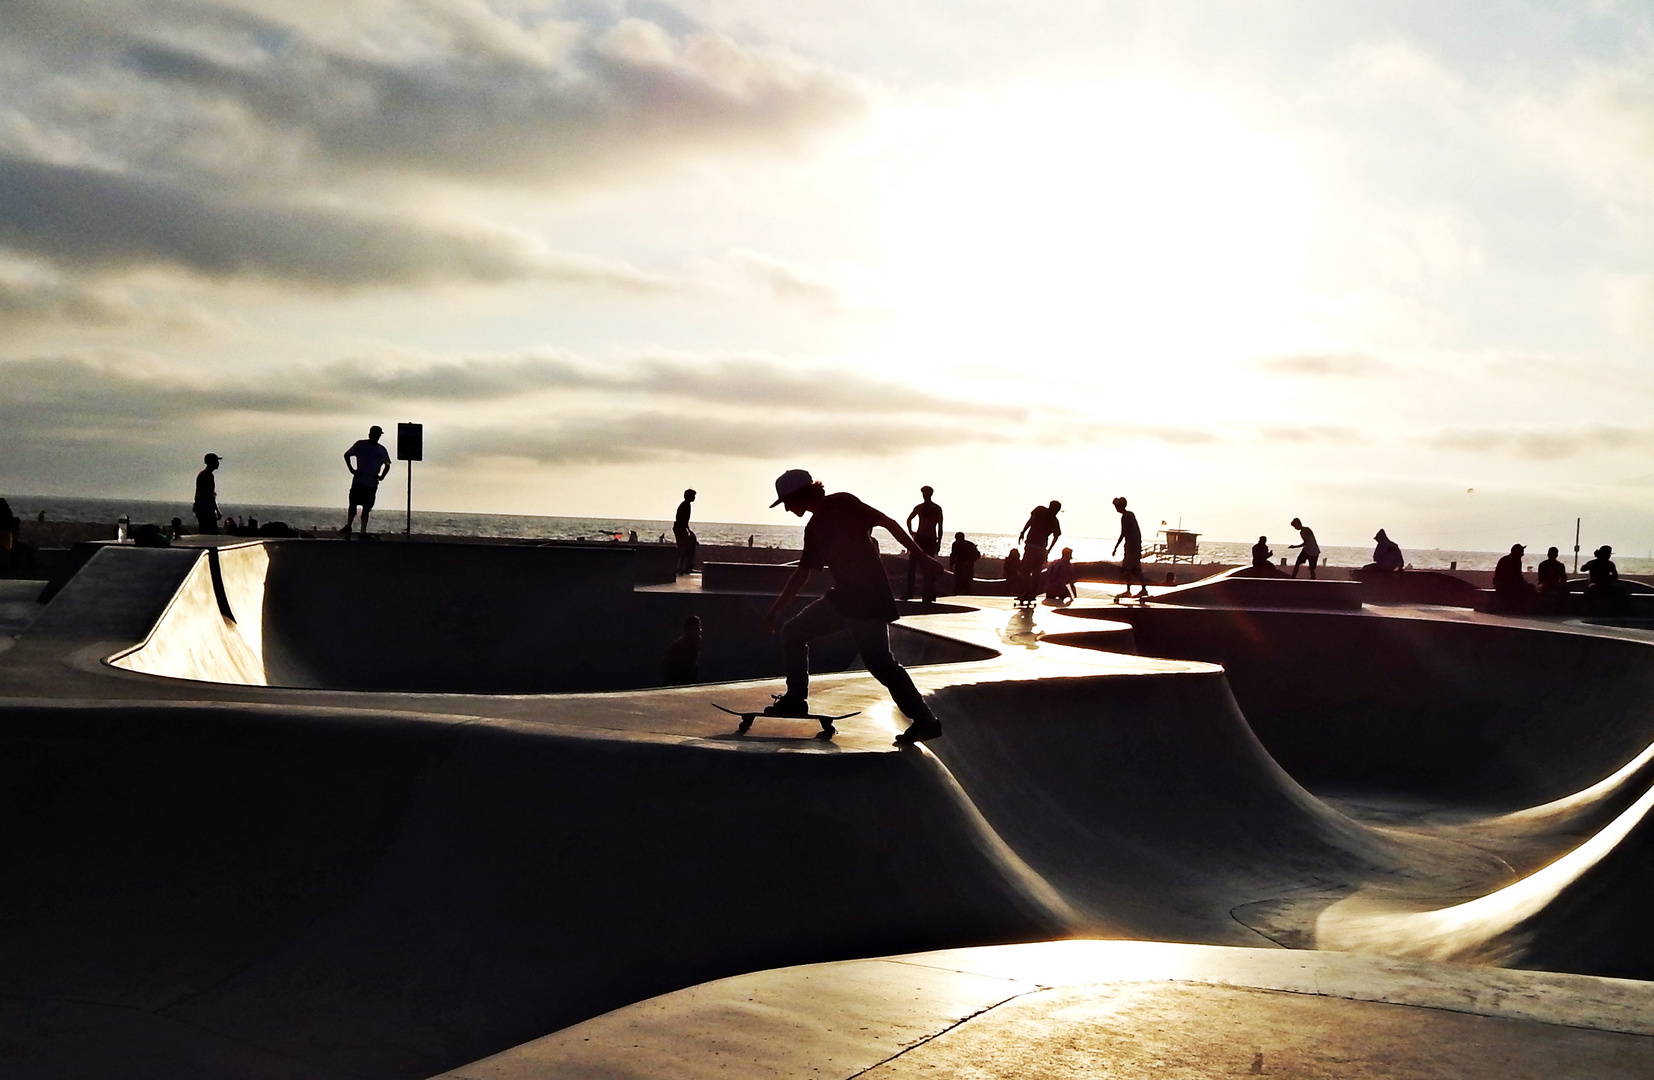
[787, 705]
[920, 731]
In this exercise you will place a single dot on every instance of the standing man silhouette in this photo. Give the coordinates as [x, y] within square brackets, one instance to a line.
[1311, 552]
[206, 497]
[687, 543]
[1042, 531]
[372, 464]
[928, 533]
[1131, 563]
[839, 536]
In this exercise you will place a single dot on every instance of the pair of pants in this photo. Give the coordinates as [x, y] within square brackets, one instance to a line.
[931, 545]
[872, 638]
[1033, 565]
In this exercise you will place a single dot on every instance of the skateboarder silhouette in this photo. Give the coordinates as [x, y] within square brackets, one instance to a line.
[839, 537]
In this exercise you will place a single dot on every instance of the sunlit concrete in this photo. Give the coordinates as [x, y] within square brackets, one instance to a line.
[1083, 1009]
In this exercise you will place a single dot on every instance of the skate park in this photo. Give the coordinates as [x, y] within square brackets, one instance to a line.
[303, 808]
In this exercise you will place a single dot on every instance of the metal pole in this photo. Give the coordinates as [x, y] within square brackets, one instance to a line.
[408, 531]
[1576, 545]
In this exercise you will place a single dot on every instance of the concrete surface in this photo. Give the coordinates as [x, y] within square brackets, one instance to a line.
[209, 875]
[1090, 1008]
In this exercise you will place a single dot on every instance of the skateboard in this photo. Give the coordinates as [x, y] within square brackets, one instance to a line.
[827, 728]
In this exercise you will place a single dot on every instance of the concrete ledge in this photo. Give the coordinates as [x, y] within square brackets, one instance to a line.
[1268, 593]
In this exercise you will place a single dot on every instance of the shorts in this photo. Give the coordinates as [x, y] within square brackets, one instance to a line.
[362, 496]
[1133, 562]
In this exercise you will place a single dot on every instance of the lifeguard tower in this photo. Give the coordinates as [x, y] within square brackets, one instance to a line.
[1180, 545]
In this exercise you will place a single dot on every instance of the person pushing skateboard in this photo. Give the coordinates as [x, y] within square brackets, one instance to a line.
[839, 537]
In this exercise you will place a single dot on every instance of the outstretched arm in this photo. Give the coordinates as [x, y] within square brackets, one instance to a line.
[788, 592]
[925, 558]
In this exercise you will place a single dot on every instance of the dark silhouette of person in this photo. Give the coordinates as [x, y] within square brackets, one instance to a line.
[1131, 562]
[1261, 553]
[1386, 553]
[205, 506]
[1603, 595]
[962, 564]
[371, 464]
[839, 537]
[681, 665]
[1553, 583]
[924, 522]
[11, 536]
[688, 545]
[1012, 572]
[1311, 552]
[1041, 531]
[1511, 591]
[176, 529]
[1059, 578]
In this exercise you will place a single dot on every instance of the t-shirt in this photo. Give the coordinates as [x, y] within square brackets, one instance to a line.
[1130, 532]
[1042, 522]
[839, 537]
[964, 554]
[1507, 573]
[371, 459]
[1309, 545]
[1553, 576]
[682, 520]
[206, 494]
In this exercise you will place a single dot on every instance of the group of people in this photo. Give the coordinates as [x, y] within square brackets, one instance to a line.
[368, 460]
[1514, 594]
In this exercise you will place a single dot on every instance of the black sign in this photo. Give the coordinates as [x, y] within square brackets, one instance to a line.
[410, 442]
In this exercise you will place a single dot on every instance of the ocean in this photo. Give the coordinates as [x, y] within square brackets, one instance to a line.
[770, 535]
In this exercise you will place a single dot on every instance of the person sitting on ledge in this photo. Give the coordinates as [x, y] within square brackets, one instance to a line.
[1511, 591]
[1553, 583]
[1603, 595]
[1060, 578]
[839, 536]
[1386, 555]
[681, 665]
[1261, 553]
[962, 559]
[1011, 571]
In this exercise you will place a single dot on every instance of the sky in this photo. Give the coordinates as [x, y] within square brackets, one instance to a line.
[1383, 264]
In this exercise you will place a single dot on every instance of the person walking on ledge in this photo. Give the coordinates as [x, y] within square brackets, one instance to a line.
[839, 537]
[1311, 552]
[206, 497]
[372, 464]
[1131, 564]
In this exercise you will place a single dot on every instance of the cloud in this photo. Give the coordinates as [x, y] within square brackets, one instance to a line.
[650, 404]
[441, 87]
[1312, 433]
[92, 217]
[1543, 442]
[650, 436]
[1343, 365]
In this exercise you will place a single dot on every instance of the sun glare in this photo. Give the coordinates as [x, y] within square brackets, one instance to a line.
[1086, 230]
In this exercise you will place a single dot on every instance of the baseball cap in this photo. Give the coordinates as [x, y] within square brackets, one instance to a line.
[375, 430]
[212, 457]
[790, 481]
